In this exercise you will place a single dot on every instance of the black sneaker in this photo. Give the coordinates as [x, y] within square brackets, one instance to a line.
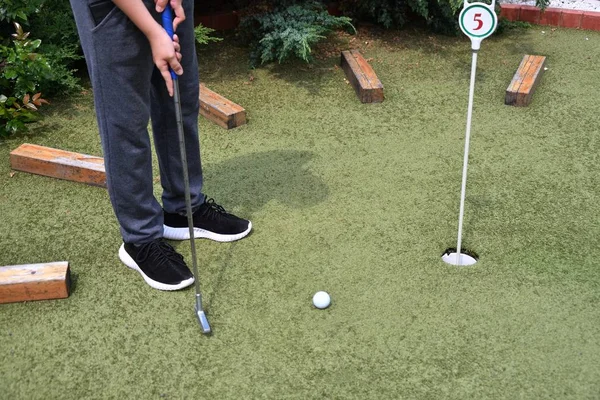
[158, 263]
[211, 221]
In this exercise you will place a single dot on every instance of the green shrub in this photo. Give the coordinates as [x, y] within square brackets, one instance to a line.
[440, 15]
[14, 114]
[204, 35]
[53, 21]
[28, 67]
[21, 71]
[289, 32]
[18, 10]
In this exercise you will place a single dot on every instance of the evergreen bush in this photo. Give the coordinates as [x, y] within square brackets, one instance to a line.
[204, 35]
[289, 31]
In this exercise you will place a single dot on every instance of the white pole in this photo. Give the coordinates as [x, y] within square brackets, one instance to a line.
[466, 158]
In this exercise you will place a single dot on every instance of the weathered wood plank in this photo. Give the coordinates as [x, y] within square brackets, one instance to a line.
[35, 282]
[59, 164]
[353, 71]
[375, 93]
[520, 91]
[367, 70]
[513, 88]
[221, 111]
[531, 81]
[362, 77]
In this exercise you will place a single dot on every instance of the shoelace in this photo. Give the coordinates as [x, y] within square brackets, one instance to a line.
[161, 251]
[212, 208]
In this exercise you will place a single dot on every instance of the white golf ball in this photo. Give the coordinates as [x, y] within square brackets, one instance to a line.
[321, 300]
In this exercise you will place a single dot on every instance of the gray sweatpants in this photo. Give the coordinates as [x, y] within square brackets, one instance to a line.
[128, 92]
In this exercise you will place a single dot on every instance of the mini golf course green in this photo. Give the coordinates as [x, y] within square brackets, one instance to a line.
[358, 200]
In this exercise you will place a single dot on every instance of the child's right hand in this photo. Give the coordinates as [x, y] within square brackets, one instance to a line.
[166, 54]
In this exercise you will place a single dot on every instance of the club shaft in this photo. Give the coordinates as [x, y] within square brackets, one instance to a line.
[463, 190]
[186, 182]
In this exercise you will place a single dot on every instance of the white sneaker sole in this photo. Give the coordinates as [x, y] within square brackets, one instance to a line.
[127, 260]
[184, 234]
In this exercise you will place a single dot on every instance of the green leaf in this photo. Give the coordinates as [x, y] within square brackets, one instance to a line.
[10, 74]
[36, 43]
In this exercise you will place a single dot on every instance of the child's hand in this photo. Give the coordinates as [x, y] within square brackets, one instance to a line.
[166, 54]
[177, 7]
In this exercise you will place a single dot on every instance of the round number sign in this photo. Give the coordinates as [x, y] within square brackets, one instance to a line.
[478, 21]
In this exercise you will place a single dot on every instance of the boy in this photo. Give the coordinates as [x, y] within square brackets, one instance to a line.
[129, 55]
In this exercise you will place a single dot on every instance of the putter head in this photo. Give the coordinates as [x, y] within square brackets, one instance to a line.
[203, 321]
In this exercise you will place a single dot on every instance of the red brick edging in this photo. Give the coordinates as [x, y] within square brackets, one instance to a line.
[552, 16]
[513, 12]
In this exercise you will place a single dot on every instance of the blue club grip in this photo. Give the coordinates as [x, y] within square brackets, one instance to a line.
[167, 23]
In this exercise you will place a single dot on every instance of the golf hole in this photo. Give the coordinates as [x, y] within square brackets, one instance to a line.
[466, 258]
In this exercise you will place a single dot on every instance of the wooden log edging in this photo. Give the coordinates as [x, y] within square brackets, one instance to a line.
[59, 164]
[35, 282]
[362, 77]
[520, 91]
[220, 110]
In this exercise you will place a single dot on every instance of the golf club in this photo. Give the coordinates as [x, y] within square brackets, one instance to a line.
[167, 22]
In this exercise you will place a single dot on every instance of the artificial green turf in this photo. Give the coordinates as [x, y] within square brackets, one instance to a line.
[359, 200]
